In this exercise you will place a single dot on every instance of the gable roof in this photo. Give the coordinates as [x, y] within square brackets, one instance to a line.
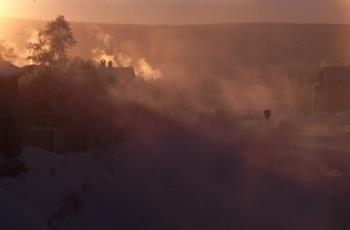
[124, 72]
[121, 72]
[336, 73]
[8, 70]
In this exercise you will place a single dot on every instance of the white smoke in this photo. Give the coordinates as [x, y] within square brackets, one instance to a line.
[108, 50]
[143, 68]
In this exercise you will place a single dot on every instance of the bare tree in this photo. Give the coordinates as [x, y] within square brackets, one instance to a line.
[52, 43]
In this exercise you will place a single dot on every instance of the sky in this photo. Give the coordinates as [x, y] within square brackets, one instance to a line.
[181, 11]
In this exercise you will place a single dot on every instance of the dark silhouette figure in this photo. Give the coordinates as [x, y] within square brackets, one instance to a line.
[267, 113]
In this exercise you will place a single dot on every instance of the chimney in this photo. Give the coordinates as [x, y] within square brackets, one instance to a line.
[103, 63]
[110, 64]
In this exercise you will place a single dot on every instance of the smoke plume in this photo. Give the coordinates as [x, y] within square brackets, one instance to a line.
[108, 50]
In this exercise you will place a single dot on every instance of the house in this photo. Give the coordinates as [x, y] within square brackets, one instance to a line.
[331, 90]
[117, 73]
[77, 129]
[126, 73]
[9, 141]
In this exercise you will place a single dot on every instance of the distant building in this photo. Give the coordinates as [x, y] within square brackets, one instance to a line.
[117, 73]
[126, 73]
[331, 91]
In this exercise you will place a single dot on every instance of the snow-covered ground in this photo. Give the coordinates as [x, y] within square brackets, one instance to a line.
[59, 192]
[290, 174]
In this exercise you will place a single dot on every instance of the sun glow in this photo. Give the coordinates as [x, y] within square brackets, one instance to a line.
[6, 8]
[18, 8]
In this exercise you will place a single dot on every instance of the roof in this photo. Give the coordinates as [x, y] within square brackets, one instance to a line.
[29, 68]
[336, 73]
[8, 70]
[121, 72]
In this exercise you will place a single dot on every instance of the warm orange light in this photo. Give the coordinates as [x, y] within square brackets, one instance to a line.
[5, 8]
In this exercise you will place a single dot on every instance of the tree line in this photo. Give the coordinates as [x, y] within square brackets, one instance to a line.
[49, 48]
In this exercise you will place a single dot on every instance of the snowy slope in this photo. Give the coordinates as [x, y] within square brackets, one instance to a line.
[59, 192]
[15, 214]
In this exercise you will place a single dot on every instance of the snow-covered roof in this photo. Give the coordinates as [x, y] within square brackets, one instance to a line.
[8, 70]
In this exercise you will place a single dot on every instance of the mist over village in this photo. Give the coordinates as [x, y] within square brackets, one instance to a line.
[224, 114]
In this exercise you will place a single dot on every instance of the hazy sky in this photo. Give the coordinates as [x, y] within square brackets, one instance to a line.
[181, 11]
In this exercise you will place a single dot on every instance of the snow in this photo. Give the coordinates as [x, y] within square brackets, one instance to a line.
[15, 214]
[176, 178]
[53, 189]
